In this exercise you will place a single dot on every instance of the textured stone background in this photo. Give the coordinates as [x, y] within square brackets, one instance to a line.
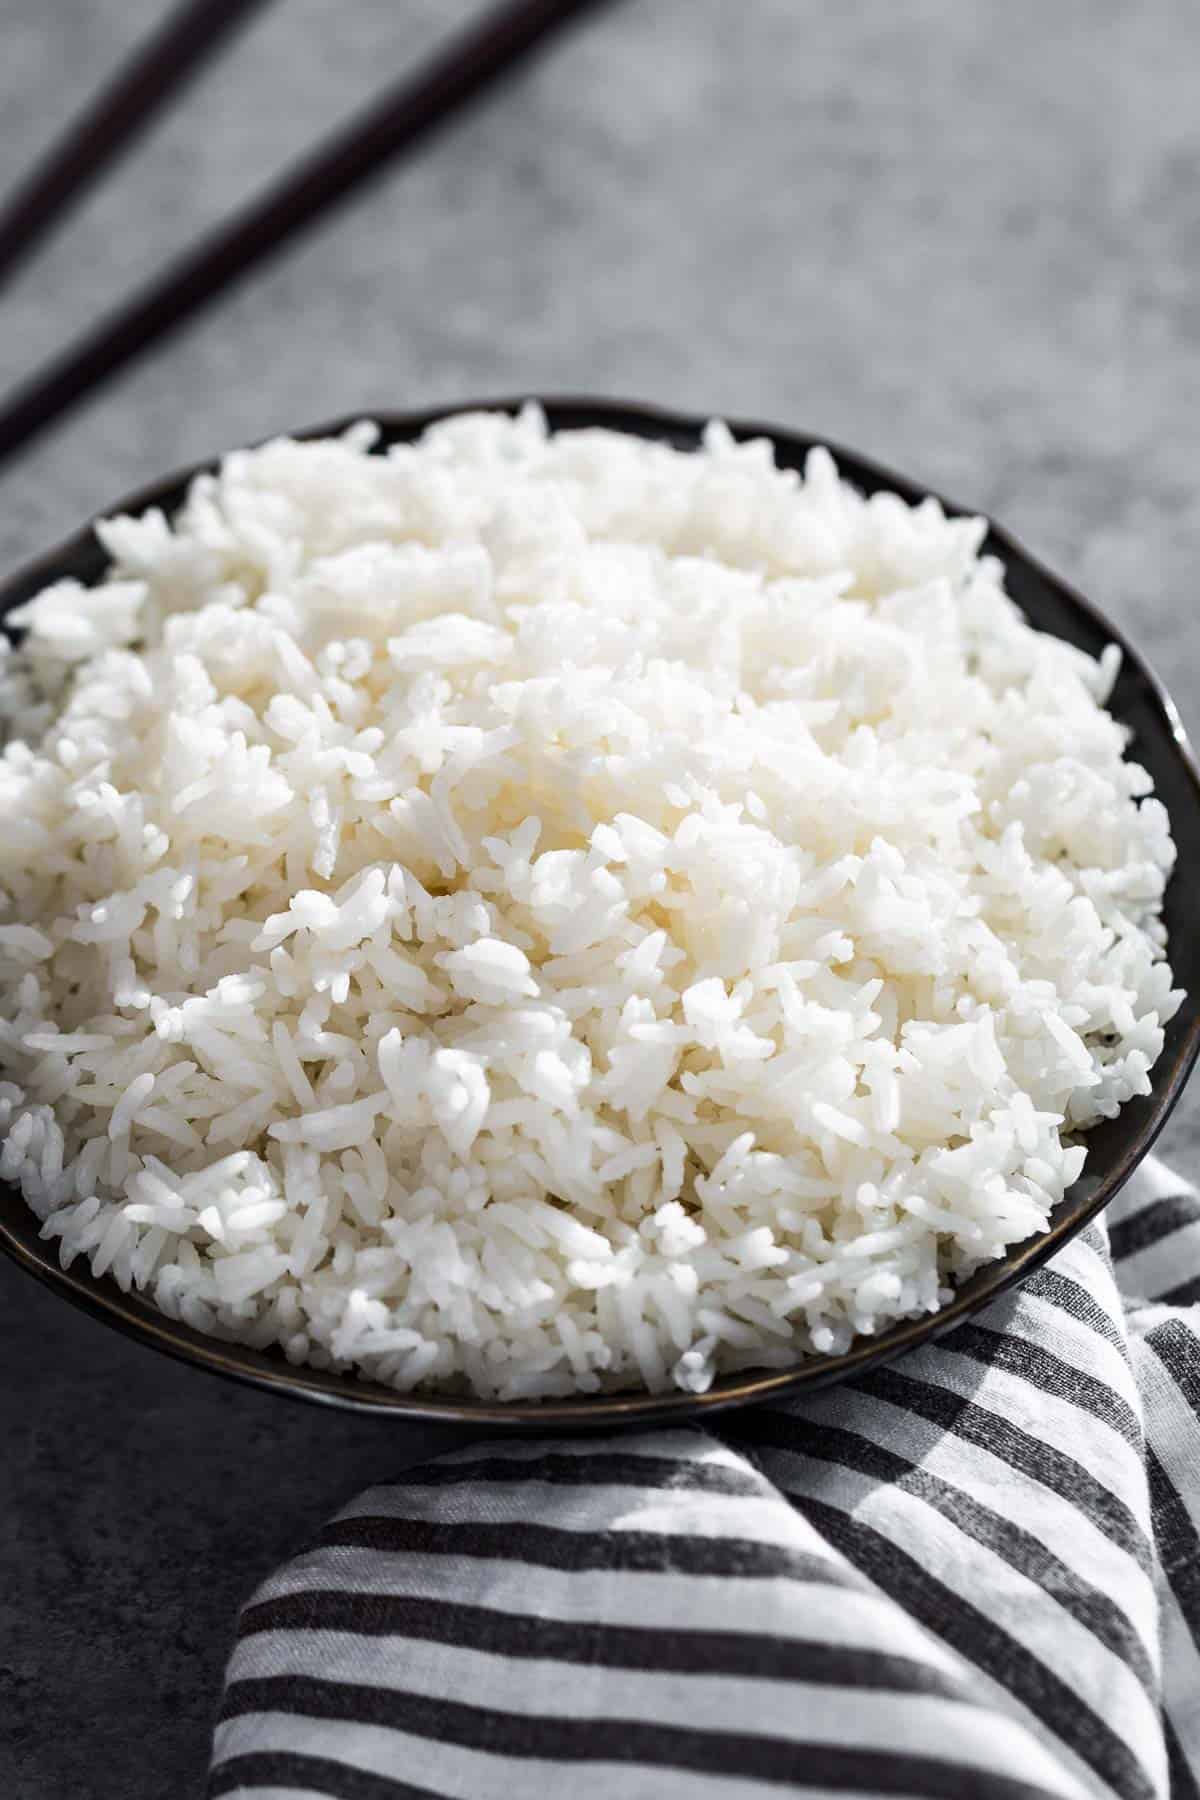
[962, 237]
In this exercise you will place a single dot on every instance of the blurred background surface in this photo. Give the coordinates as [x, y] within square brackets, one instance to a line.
[964, 239]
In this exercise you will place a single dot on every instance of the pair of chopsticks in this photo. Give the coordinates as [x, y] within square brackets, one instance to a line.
[415, 106]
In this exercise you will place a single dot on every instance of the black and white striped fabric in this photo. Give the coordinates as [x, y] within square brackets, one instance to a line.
[976, 1573]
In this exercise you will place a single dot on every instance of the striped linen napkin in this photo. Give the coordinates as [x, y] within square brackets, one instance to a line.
[975, 1573]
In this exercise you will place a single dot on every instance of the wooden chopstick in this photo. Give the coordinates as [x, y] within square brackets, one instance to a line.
[157, 69]
[453, 75]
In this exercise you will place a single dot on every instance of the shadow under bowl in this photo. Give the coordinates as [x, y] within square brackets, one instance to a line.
[1114, 1147]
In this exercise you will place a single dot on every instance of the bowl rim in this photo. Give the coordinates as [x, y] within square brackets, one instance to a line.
[137, 1318]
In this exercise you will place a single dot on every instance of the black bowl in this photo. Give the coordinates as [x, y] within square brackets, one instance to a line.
[1114, 1148]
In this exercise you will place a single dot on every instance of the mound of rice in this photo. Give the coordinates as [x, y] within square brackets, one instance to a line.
[532, 913]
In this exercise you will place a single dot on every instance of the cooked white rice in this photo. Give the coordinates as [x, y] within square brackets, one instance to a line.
[539, 913]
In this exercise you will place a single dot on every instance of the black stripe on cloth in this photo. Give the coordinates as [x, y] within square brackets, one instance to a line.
[310, 1774]
[1178, 1543]
[1027, 1454]
[648, 1744]
[1178, 1349]
[658, 1472]
[1186, 1294]
[1050, 1374]
[1179, 1774]
[1071, 1297]
[1158, 1220]
[679, 1651]
[986, 1646]
[1088, 1605]
[1095, 1240]
[571, 1552]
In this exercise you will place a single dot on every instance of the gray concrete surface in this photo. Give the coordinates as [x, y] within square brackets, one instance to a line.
[965, 238]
